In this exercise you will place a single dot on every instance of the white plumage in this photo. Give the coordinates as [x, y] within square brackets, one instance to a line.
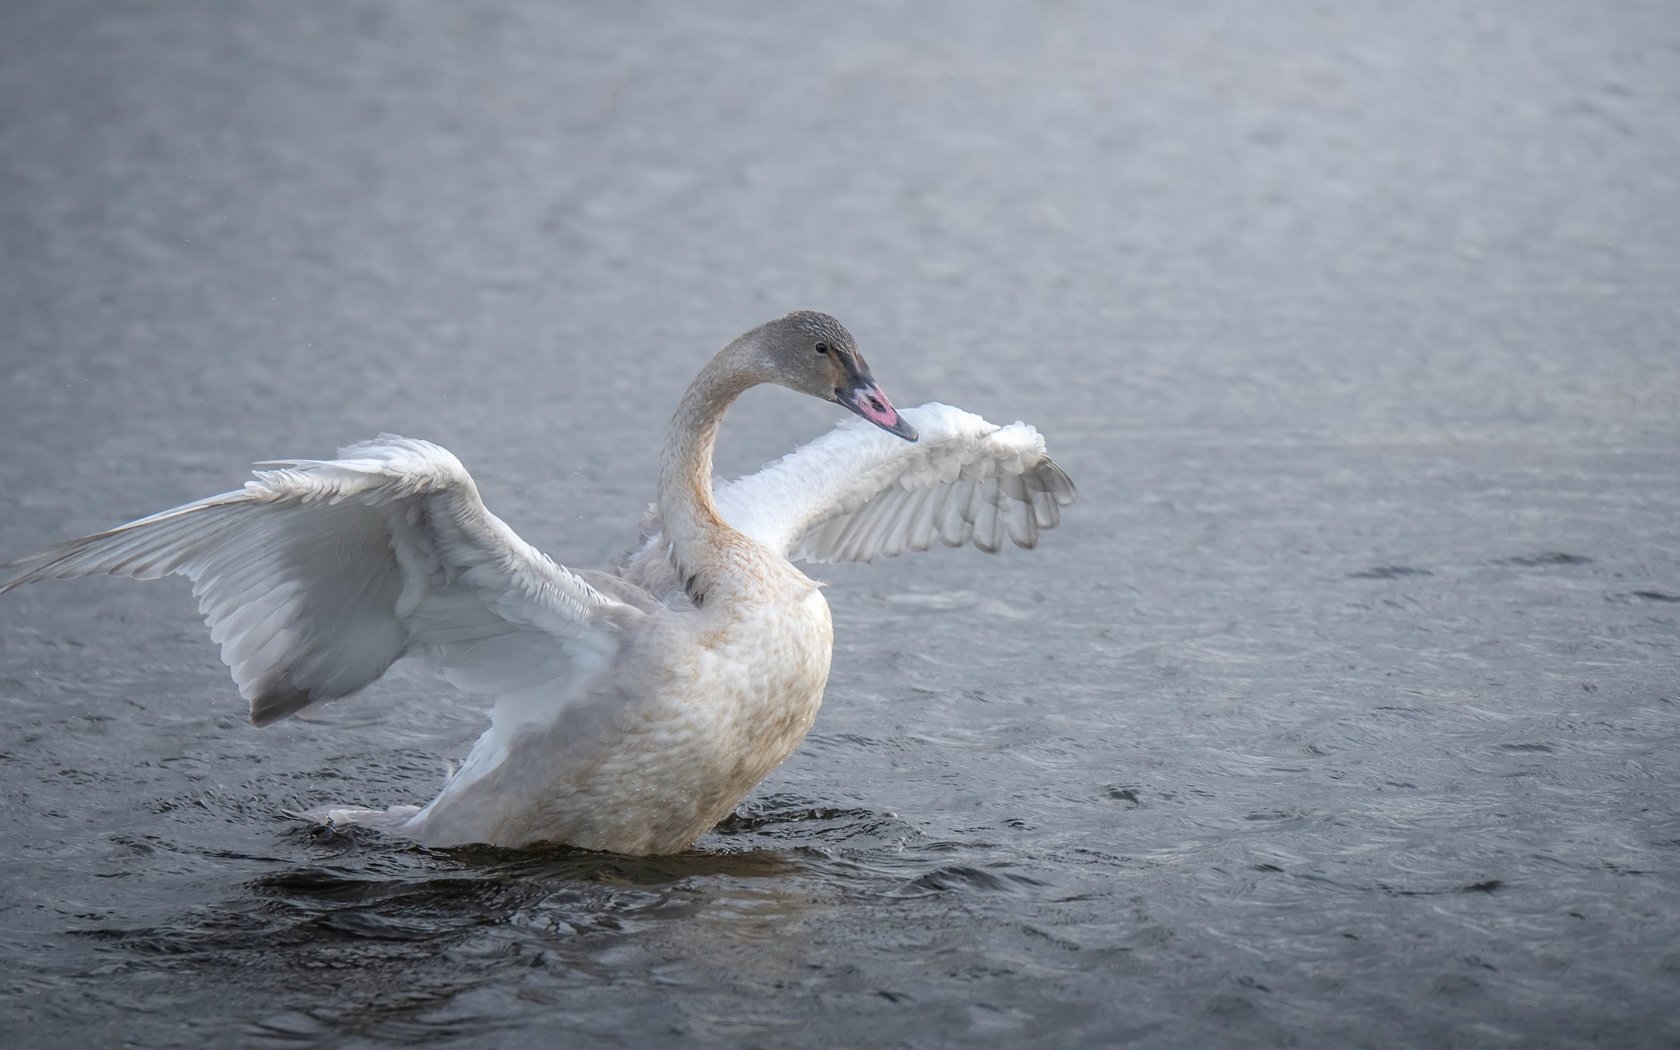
[857, 495]
[635, 707]
[317, 576]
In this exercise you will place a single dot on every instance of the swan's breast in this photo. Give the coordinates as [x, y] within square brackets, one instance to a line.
[728, 696]
[767, 678]
[748, 699]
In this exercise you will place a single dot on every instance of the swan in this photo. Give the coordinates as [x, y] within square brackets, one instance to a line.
[635, 706]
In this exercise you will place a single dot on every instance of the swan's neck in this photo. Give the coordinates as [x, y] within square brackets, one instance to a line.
[701, 541]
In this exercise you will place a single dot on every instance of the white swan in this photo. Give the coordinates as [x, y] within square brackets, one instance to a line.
[636, 707]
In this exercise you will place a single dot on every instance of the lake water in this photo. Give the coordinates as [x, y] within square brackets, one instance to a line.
[1344, 710]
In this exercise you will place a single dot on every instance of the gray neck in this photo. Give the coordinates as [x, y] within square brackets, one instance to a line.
[697, 535]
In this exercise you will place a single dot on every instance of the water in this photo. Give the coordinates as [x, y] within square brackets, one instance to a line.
[1343, 710]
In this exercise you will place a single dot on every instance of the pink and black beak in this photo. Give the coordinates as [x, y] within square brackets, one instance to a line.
[863, 396]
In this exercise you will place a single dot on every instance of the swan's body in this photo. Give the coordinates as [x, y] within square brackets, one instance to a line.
[635, 707]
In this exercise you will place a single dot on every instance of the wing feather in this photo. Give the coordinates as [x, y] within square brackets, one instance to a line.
[987, 530]
[319, 574]
[857, 494]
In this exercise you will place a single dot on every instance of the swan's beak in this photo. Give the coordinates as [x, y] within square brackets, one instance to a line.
[868, 401]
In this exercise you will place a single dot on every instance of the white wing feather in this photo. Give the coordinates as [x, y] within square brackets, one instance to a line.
[858, 493]
[317, 576]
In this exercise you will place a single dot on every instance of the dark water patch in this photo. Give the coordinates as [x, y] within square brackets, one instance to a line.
[386, 1026]
[783, 822]
[1124, 793]
[1388, 572]
[326, 887]
[372, 925]
[571, 865]
[962, 878]
[1481, 886]
[1656, 596]
[1485, 886]
[1548, 558]
[753, 819]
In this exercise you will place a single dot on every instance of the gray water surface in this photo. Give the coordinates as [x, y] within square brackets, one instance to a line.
[1344, 710]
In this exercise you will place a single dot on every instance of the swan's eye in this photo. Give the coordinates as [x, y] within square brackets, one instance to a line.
[822, 348]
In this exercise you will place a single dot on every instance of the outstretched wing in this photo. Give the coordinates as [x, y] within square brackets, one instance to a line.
[318, 575]
[856, 493]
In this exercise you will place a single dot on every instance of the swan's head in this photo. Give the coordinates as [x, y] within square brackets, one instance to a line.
[813, 353]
